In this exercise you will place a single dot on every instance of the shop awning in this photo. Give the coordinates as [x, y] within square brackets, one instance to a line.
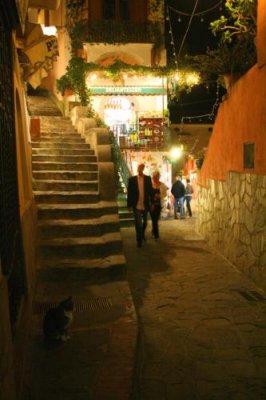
[128, 90]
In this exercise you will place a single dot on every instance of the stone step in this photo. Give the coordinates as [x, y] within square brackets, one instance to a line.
[65, 175]
[79, 235]
[59, 135]
[125, 213]
[122, 202]
[65, 269]
[52, 144]
[126, 222]
[64, 158]
[80, 248]
[60, 197]
[55, 121]
[64, 185]
[61, 151]
[62, 166]
[54, 118]
[55, 134]
[40, 105]
[76, 211]
[126, 218]
[56, 124]
[78, 228]
[58, 139]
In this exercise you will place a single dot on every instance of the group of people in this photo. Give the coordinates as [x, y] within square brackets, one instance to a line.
[147, 194]
[182, 194]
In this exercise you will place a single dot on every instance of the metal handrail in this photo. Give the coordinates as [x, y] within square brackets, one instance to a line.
[122, 171]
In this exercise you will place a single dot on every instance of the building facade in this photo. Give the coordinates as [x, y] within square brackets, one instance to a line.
[232, 191]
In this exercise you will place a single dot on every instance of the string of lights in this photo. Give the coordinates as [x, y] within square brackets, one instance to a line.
[210, 115]
[171, 36]
[200, 13]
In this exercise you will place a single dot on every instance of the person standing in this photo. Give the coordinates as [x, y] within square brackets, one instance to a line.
[188, 196]
[178, 191]
[139, 192]
[159, 192]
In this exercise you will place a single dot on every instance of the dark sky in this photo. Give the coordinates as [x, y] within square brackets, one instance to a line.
[193, 39]
[198, 35]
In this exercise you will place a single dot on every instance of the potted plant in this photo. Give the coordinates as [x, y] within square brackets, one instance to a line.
[64, 85]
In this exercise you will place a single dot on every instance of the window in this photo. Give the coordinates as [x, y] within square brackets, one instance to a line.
[249, 155]
[124, 9]
[109, 9]
[116, 9]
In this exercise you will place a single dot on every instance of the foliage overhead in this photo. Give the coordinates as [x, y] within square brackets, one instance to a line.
[240, 21]
[236, 50]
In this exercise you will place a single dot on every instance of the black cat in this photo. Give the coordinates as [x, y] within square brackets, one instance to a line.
[57, 321]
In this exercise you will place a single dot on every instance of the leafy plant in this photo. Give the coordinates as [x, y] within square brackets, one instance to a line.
[75, 78]
[236, 51]
[240, 21]
[225, 59]
[63, 84]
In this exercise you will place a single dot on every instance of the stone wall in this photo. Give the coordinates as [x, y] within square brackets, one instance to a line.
[232, 218]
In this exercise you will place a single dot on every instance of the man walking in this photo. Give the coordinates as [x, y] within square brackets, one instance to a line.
[178, 191]
[139, 194]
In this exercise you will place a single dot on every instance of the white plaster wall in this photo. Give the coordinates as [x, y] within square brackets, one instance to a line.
[147, 104]
[141, 52]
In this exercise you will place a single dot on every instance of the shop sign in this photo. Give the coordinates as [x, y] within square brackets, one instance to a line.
[111, 90]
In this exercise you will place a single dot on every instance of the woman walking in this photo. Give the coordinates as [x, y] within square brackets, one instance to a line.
[159, 192]
[188, 196]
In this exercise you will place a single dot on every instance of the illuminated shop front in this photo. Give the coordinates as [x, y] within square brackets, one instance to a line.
[126, 108]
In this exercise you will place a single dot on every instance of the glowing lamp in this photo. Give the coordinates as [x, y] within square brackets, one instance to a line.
[175, 153]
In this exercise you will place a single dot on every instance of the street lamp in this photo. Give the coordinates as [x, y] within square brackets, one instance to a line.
[175, 153]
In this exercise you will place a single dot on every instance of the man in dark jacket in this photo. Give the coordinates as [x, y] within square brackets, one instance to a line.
[178, 191]
[139, 193]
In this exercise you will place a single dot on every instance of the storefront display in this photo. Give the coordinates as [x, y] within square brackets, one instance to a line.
[151, 130]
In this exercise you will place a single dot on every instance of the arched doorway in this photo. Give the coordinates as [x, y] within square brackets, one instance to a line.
[119, 114]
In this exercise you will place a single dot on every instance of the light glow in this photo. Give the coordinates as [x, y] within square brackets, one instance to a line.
[49, 30]
[175, 153]
[192, 78]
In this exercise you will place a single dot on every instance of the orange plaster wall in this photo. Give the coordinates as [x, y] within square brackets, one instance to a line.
[241, 118]
[261, 32]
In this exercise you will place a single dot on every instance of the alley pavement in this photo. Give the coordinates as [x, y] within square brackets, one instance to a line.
[202, 323]
[185, 325]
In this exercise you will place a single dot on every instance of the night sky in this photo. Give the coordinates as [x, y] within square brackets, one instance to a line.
[196, 40]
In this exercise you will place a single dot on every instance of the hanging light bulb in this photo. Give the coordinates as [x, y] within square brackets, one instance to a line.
[179, 19]
[202, 19]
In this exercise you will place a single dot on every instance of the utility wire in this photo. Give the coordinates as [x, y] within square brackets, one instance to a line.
[189, 23]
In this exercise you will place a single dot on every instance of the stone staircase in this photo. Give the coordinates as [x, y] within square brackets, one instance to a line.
[79, 234]
[126, 217]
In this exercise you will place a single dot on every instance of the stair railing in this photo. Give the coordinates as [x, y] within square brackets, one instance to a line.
[122, 171]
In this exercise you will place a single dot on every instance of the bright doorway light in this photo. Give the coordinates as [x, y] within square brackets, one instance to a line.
[49, 30]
